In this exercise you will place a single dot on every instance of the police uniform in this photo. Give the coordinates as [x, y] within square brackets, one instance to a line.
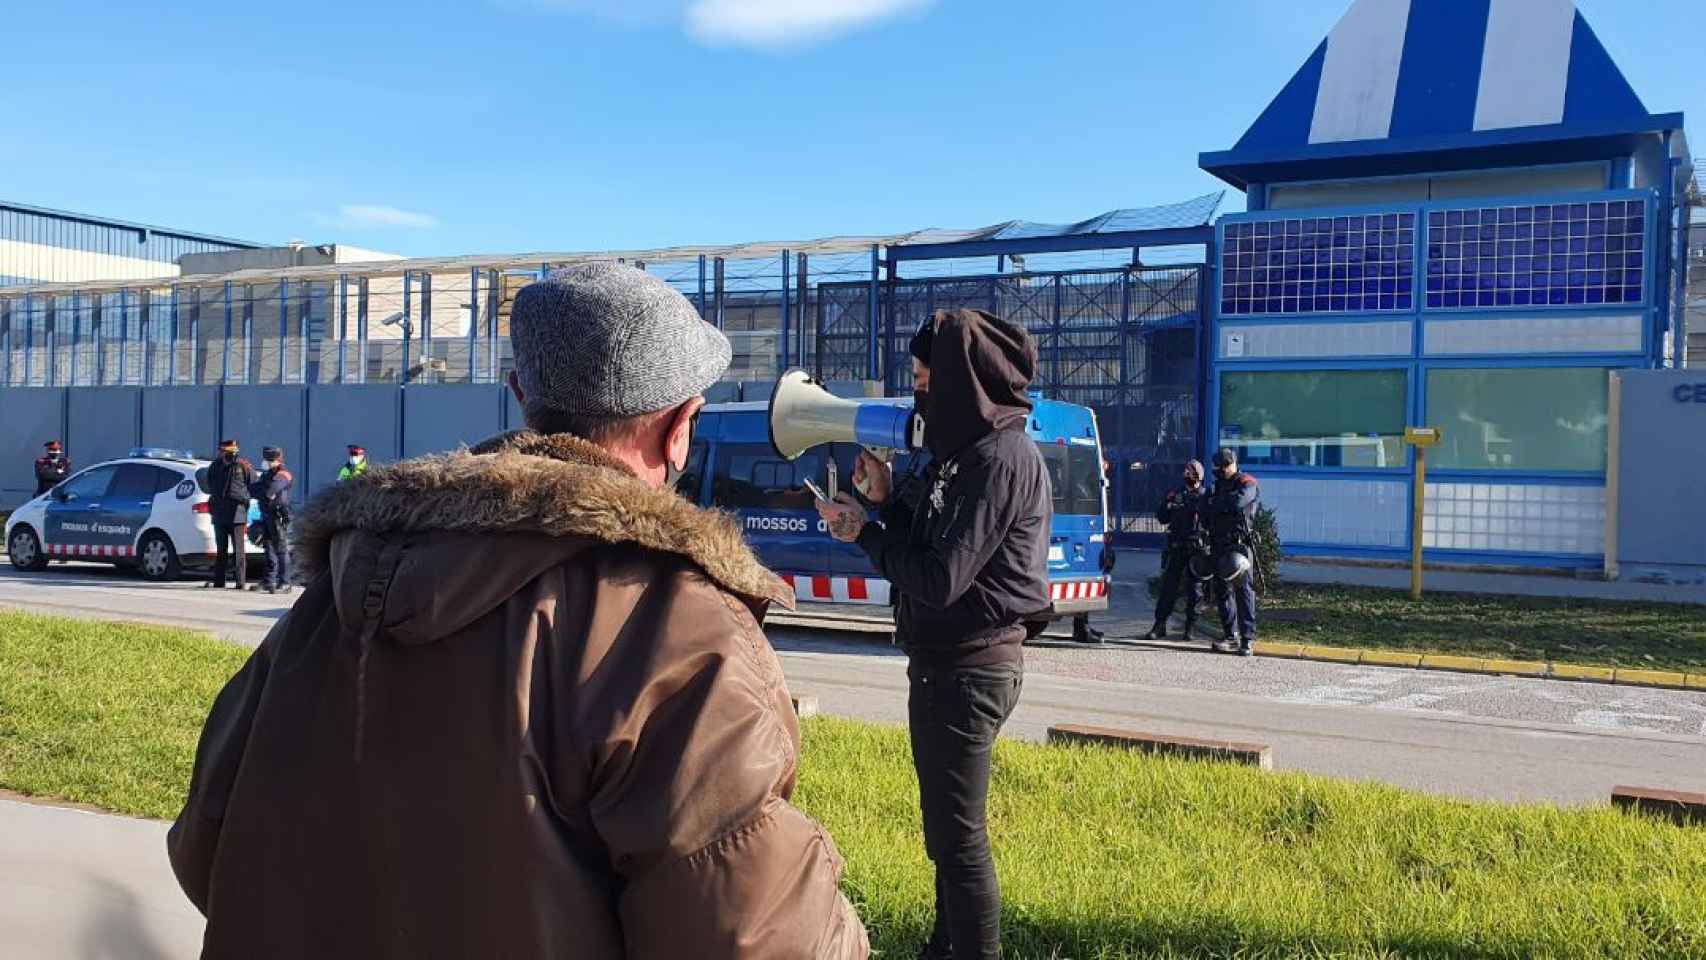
[1182, 512]
[51, 470]
[272, 491]
[356, 466]
[1231, 520]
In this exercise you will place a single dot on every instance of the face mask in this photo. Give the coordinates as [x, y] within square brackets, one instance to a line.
[228, 457]
[355, 461]
[54, 455]
[274, 464]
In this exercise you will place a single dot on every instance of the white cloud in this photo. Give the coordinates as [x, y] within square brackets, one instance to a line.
[764, 24]
[773, 24]
[363, 216]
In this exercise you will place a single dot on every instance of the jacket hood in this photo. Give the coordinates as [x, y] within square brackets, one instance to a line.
[980, 368]
[451, 537]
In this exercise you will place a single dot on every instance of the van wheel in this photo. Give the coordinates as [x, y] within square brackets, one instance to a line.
[156, 559]
[25, 550]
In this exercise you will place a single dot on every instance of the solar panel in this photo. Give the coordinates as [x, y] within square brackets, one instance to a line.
[1308, 265]
[1560, 254]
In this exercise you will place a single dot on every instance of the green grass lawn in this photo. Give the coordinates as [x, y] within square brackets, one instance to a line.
[1102, 854]
[1656, 636]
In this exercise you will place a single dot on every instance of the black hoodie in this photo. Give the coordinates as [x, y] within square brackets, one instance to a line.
[971, 561]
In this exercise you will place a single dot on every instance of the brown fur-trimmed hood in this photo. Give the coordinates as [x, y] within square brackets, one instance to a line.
[531, 485]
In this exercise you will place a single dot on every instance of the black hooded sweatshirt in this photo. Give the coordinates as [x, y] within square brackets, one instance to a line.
[970, 562]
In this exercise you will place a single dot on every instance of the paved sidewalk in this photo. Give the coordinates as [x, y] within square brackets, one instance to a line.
[90, 886]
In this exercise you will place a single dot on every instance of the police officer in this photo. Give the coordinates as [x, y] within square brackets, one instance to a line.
[1182, 512]
[356, 465]
[1231, 518]
[52, 467]
[272, 490]
[228, 481]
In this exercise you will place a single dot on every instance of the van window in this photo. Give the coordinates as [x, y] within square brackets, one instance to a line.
[748, 475]
[688, 484]
[1075, 473]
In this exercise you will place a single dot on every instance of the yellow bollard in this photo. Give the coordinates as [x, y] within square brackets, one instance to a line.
[1420, 438]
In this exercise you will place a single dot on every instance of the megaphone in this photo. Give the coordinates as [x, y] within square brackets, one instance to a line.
[804, 415]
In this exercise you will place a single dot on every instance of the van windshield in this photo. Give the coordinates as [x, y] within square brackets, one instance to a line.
[1075, 473]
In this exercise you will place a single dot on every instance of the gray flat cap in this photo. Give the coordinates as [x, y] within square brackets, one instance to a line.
[607, 340]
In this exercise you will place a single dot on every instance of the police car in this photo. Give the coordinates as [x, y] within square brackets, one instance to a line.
[147, 511]
[732, 466]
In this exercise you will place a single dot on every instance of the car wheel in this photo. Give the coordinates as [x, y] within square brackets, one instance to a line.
[25, 550]
[156, 559]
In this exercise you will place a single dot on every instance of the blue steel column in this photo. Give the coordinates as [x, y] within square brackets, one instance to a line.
[426, 322]
[304, 311]
[802, 296]
[50, 322]
[343, 325]
[250, 368]
[886, 359]
[1125, 395]
[873, 314]
[1055, 363]
[283, 325]
[225, 351]
[473, 323]
[408, 318]
[123, 334]
[786, 353]
[361, 329]
[701, 303]
[172, 354]
[29, 339]
[5, 343]
[76, 331]
[1661, 263]
[97, 314]
[494, 303]
[144, 320]
[195, 336]
[717, 294]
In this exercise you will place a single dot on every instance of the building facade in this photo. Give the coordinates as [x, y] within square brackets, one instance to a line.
[38, 245]
[1454, 221]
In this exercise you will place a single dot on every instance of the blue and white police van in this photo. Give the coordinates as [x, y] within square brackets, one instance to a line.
[733, 466]
[146, 511]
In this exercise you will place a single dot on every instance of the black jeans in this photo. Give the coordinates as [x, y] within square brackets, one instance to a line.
[275, 539]
[1175, 573]
[227, 536]
[953, 716]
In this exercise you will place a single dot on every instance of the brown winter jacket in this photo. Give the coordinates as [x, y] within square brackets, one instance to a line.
[523, 709]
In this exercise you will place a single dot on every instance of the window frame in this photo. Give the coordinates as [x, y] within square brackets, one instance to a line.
[1516, 473]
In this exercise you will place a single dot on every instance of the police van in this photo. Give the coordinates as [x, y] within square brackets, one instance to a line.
[147, 511]
[732, 466]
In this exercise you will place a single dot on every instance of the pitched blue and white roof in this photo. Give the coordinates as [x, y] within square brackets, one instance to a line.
[1410, 76]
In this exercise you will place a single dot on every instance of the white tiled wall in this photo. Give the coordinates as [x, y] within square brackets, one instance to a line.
[1569, 333]
[1269, 341]
[1338, 511]
[1521, 518]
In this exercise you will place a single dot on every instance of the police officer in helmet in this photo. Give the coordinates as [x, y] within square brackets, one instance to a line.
[1182, 512]
[1231, 518]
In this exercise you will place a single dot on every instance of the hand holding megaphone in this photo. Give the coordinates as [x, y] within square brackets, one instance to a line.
[873, 477]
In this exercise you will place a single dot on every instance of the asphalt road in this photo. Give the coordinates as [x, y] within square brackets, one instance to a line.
[1475, 736]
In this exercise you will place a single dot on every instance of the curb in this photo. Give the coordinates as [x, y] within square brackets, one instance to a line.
[1621, 676]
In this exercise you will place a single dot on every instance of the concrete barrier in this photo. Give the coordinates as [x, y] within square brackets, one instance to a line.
[1675, 805]
[1253, 754]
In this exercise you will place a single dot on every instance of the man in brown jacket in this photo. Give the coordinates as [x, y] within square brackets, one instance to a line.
[524, 707]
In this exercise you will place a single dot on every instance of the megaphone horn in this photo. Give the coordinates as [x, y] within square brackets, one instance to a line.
[804, 415]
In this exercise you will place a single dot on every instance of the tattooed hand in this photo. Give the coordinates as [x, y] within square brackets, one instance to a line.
[844, 517]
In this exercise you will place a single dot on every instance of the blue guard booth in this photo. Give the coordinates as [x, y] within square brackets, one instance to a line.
[1460, 215]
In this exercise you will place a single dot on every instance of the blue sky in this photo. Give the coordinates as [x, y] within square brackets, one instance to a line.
[514, 125]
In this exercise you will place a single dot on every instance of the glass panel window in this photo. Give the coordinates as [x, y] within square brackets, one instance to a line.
[1523, 419]
[89, 485]
[751, 475]
[1075, 475]
[1314, 418]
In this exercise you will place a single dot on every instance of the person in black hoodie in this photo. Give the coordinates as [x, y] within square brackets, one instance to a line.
[971, 565]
